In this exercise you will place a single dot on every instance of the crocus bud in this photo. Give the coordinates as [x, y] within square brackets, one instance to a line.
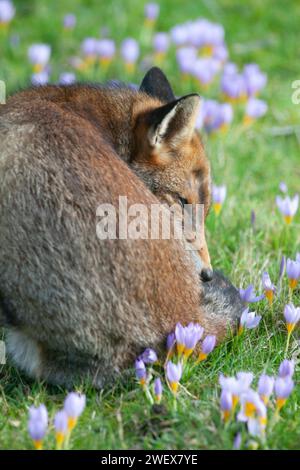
[74, 406]
[158, 390]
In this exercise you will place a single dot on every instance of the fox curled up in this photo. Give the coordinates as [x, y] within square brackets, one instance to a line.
[74, 306]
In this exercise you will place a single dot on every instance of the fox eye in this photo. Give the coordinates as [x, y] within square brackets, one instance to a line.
[183, 201]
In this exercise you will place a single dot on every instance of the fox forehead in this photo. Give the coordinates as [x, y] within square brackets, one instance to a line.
[192, 154]
[188, 158]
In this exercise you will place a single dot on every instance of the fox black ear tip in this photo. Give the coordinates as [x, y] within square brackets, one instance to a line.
[155, 71]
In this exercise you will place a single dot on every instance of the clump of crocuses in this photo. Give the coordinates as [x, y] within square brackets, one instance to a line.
[64, 421]
[182, 346]
[254, 406]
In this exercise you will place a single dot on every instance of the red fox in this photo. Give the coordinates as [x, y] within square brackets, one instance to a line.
[75, 306]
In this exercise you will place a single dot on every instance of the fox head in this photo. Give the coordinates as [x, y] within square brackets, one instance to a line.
[168, 153]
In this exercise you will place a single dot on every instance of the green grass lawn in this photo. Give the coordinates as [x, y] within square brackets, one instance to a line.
[251, 162]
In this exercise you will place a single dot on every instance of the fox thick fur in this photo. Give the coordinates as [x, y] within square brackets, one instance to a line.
[76, 307]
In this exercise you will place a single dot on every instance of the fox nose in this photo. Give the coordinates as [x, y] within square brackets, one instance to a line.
[206, 274]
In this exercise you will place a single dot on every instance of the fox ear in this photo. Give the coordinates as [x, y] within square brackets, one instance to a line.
[156, 84]
[173, 121]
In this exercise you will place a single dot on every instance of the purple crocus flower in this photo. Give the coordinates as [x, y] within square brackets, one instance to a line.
[205, 70]
[7, 11]
[225, 116]
[292, 316]
[283, 187]
[194, 33]
[205, 34]
[248, 320]
[179, 34]
[288, 207]
[248, 296]
[170, 340]
[214, 35]
[254, 412]
[226, 404]
[67, 78]
[151, 11]
[130, 50]
[180, 337]
[219, 194]
[251, 68]
[73, 406]
[187, 337]
[69, 21]
[39, 55]
[106, 49]
[237, 442]
[61, 422]
[268, 287]
[37, 424]
[61, 427]
[267, 283]
[174, 373]
[217, 116]
[229, 383]
[251, 405]
[293, 272]
[140, 371]
[255, 109]
[218, 197]
[193, 333]
[230, 69]
[283, 389]
[89, 47]
[149, 356]
[220, 53]
[286, 368]
[39, 413]
[233, 86]
[265, 387]
[161, 42]
[186, 57]
[158, 389]
[40, 78]
[245, 379]
[37, 431]
[208, 344]
[236, 385]
[255, 80]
